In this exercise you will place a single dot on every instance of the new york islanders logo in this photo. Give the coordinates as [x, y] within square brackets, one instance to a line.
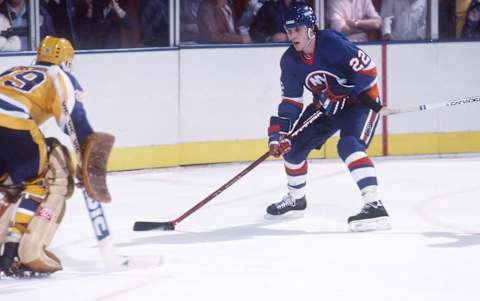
[318, 81]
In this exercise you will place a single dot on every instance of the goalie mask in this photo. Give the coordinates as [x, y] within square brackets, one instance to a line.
[57, 51]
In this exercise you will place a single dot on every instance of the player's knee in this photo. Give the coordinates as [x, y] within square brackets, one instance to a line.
[293, 157]
[43, 226]
[348, 145]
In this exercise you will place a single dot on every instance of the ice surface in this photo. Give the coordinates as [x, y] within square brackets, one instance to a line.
[228, 251]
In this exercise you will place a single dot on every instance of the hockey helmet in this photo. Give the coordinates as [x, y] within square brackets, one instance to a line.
[57, 51]
[300, 14]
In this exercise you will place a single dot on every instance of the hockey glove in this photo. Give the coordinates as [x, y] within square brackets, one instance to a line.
[331, 104]
[277, 131]
[335, 95]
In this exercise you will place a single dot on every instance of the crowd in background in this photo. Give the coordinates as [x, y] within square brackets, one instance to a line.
[107, 24]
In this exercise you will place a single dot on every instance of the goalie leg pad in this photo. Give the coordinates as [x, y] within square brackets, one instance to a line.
[7, 210]
[59, 181]
[96, 151]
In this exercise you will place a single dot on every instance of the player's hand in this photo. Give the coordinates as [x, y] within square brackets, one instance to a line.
[279, 148]
[277, 131]
[331, 106]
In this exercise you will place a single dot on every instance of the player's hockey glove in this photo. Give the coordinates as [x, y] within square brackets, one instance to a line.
[334, 97]
[331, 103]
[278, 144]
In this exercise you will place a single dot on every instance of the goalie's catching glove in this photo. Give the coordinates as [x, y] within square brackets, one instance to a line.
[95, 153]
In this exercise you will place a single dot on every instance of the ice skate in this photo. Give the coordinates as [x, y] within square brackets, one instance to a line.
[9, 259]
[288, 205]
[373, 217]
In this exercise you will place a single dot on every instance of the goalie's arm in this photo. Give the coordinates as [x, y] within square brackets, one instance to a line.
[93, 148]
[96, 148]
[83, 128]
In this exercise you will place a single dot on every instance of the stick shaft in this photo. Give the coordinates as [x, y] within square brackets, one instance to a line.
[241, 174]
[443, 104]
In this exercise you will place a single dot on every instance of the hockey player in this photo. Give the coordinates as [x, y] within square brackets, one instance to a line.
[36, 174]
[343, 81]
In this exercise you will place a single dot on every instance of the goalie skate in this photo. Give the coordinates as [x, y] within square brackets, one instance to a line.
[373, 217]
[19, 271]
[288, 206]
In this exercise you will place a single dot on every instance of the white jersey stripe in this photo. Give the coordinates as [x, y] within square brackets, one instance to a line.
[296, 180]
[362, 173]
[15, 103]
[354, 157]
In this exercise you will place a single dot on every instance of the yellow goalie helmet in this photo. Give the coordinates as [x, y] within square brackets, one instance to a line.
[57, 51]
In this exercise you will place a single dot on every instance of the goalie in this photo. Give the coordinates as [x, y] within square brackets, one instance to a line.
[37, 174]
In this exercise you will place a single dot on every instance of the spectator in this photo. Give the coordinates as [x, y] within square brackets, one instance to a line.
[246, 10]
[354, 18]
[11, 43]
[100, 23]
[154, 22]
[446, 19]
[188, 21]
[267, 25]
[85, 25]
[16, 12]
[461, 7]
[404, 19]
[472, 23]
[217, 23]
[61, 12]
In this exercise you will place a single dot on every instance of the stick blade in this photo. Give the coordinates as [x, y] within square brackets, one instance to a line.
[146, 226]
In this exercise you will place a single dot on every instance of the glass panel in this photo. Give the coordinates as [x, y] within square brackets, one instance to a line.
[110, 24]
[189, 33]
[153, 22]
[60, 16]
[447, 19]
[16, 25]
[233, 22]
[360, 21]
[218, 21]
[459, 19]
[404, 20]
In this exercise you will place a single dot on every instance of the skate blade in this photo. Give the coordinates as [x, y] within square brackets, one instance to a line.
[374, 224]
[289, 215]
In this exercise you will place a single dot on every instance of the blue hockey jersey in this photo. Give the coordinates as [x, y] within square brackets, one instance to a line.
[336, 64]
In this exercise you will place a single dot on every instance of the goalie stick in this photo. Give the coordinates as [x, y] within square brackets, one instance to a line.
[96, 213]
[170, 225]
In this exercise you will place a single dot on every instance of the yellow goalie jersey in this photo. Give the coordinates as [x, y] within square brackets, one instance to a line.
[28, 93]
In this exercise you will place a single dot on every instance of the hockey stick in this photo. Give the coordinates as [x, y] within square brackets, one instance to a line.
[170, 225]
[438, 105]
[95, 211]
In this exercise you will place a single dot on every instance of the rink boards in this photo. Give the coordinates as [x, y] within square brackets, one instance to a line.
[196, 105]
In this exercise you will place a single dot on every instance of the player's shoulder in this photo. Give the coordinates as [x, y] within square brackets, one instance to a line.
[329, 37]
[289, 57]
[334, 46]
